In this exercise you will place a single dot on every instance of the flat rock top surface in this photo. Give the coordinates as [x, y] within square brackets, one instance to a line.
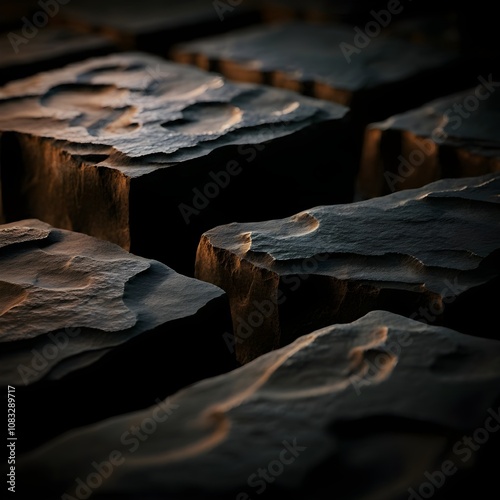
[460, 119]
[221, 430]
[144, 113]
[424, 236]
[309, 52]
[52, 280]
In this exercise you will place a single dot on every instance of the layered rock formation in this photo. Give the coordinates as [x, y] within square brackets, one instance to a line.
[88, 330]
[455, 136]
[123, 146]
[431, 254]
[385, 399]
[328, 62]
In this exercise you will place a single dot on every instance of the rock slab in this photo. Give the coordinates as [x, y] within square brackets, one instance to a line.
[430, 253]
[121, 146]
[455, 136]
[88, 330]
[384, 398]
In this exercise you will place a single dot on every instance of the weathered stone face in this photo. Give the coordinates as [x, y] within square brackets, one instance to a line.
[381, 391]
[81, 320]
[431, 254]
[118, 146]
[455, 136]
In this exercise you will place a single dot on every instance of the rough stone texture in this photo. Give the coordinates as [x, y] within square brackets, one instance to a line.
[431, 254]
[51, 48]
[124, 146]
[154, 25]
[88, 330]
[456, 136]
[385, 399]
[383, 76]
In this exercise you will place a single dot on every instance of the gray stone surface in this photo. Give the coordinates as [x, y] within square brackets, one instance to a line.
[430, 253]
[81, 319]
[455, 136]
[385, 399]
[312, 59]
[122, 146]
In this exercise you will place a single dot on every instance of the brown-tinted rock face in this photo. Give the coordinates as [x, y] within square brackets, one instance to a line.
[48, 49]
[154, 25]
[374, 408]
[88, 330]
[456, 136]
[323, 60]
[431, 254]
[126, 146]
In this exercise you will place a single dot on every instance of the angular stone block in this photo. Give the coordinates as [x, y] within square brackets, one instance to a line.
[455, 136]
[324, 61]
[88, 330]
[432, 254]
[124, 146]
[385, 399]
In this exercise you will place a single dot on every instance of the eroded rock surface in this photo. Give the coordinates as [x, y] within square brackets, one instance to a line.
[323, 60]
[122, 146]
[431, 254]
[385, 399]
[88, 330]
[455, 136]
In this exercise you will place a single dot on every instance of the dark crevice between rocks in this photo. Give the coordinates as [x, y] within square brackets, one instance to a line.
[267, 187]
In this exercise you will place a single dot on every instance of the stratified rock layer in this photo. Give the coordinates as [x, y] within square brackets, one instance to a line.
[456, 136]
[385, 399]
[88, 330]
[323, 60]
[431, 254]
[124, 146]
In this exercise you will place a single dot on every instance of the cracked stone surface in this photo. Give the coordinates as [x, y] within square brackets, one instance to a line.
[455, 136]
[116, 146]
[51, 48]
[81, 320]
[384, 394]
[312, 59]
[431, 254]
